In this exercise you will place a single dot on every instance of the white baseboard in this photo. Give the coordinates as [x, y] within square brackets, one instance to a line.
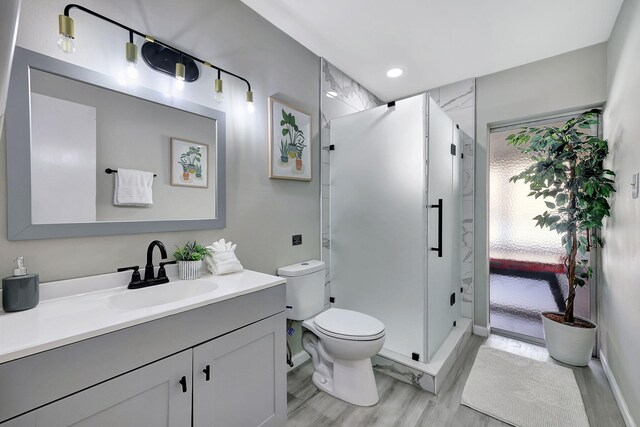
[617, 393]
[481, 330]
[298, 359]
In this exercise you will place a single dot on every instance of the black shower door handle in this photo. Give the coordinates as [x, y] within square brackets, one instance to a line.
[438, 249]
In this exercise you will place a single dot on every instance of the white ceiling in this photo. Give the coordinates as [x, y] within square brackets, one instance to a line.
[437, 42]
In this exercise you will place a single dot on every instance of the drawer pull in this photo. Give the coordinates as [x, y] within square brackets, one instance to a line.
[183, 383]
[207, 373]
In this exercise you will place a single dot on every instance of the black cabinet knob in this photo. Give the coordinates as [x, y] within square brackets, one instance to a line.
[183, 383]
[207, 373]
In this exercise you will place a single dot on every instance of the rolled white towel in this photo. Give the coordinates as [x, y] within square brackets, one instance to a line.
[222, 258]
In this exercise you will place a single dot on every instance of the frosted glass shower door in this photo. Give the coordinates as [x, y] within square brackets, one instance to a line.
[444, 227]
[377, 219]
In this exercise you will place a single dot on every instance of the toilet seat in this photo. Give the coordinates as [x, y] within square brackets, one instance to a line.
[349, 325]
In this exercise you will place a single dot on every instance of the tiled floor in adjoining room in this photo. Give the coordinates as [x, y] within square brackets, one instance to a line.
[403, 405]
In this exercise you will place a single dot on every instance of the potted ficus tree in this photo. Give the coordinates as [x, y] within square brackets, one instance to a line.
[189, 259]
[567, 170]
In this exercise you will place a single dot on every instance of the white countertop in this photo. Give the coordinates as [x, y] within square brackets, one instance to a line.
[65, 315]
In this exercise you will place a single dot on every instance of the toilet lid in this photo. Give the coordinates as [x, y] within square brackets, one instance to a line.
[348, 323]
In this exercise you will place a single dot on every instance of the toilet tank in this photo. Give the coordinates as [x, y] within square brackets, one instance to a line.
[305, 289]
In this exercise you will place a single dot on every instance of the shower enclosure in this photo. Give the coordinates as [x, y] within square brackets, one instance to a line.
[396, 221]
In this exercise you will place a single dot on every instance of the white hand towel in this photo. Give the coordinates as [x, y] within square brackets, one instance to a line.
[133, 188]
[222, 258]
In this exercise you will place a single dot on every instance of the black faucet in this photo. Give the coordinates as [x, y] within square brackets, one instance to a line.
[149, 279]
[148, 269]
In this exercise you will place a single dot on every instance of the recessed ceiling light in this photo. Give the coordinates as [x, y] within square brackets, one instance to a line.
[395, 72]
[332, 94]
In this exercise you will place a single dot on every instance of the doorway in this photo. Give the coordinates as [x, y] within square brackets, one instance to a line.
[526, 263]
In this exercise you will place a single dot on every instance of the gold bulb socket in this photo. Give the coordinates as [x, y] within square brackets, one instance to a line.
[150, 39]
[131, 53]
[249, 96]
[206, 64]
[218, 85]
[66, 26]
[180, 71]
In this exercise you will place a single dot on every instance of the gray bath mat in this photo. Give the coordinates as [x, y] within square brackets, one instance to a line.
[523, 392]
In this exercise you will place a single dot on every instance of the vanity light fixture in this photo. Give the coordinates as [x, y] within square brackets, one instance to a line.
[131, 53]
[250, 106]
[185, 67]
[394, 73]
[65, 37]
[180, 73]
[218, 88]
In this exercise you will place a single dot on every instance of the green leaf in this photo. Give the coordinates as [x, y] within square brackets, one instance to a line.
[285, 132]
[550, 205]
[561, 199]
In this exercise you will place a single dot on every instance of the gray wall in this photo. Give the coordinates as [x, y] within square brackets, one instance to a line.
[565, 82]
[620, 293]
[262, 214]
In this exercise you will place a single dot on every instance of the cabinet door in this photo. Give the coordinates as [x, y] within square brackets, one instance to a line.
[246, 384]
[149, 396]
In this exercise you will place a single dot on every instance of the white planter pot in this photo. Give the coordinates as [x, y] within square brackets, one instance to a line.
[189, 270]
[569, 344]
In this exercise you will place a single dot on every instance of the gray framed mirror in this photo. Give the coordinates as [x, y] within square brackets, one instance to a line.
[68, 126]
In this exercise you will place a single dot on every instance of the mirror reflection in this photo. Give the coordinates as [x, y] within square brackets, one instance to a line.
[79, 130]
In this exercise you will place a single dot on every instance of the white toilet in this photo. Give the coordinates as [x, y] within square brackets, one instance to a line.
[340, 342]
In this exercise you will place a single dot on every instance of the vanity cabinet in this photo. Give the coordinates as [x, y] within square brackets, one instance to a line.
[149, 396]
[236, 378]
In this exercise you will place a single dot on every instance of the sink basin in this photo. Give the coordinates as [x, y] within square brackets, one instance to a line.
[133, 299]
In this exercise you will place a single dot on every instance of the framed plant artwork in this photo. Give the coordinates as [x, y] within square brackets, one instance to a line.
[189, 163]
[289, 142]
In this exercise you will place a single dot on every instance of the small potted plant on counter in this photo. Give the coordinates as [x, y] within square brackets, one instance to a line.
[189, 259]
[568, 170]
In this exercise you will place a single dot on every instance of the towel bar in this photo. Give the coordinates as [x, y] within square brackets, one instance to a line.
[110, 171]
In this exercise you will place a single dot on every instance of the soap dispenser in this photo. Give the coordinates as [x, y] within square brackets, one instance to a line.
[20, 291]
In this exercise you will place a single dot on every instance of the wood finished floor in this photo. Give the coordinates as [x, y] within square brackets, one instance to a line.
[403, 405]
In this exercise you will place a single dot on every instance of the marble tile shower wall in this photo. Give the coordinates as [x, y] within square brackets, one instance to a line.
[340, 96]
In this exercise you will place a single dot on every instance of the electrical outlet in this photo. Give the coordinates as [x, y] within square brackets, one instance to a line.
[635, 183]
[296, 239]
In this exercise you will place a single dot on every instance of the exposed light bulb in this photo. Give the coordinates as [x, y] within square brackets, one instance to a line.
[131, 54]
[250, 106]
[66, 44]
[132, 71]
[180, 73]
[66, 31]
[218, 88]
